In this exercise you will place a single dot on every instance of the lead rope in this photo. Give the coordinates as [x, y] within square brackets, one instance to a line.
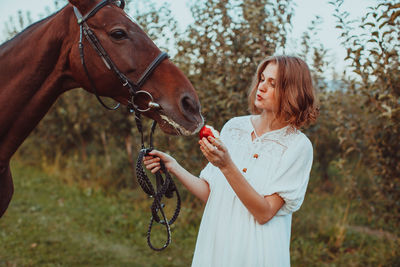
[165, 187]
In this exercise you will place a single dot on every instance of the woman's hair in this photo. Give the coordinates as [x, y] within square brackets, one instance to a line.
[294, 91]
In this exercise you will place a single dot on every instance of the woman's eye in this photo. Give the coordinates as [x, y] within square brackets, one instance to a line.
[118, 34]
[271, 83]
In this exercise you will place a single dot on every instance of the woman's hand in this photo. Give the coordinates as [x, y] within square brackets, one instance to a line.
[215, 152]
[152, 162]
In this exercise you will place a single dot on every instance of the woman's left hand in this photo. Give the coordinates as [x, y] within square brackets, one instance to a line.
[215, 152]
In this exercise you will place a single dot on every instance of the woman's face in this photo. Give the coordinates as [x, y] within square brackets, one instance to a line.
[265, 97]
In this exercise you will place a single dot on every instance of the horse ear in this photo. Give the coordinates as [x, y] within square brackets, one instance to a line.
[82, 5]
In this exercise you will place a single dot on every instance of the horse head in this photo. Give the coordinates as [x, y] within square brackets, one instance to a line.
[117, 63]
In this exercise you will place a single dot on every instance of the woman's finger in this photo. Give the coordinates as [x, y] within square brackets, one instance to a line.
[151, 160]
[156, 153]
[204, 149]
[202, 145]
[217, 143]
[155, 169]
[205, 153]
[152, 165]
[209, 156]
[208, 146]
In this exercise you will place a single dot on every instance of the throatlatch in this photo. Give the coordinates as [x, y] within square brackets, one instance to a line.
[164, 187]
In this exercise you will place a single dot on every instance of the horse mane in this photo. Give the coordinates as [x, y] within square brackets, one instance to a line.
[30, 28]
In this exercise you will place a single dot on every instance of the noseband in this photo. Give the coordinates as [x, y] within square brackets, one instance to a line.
[133, 88]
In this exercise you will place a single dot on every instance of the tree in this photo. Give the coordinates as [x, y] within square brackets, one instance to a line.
[220, 51]
[323, 135]
[374, 131]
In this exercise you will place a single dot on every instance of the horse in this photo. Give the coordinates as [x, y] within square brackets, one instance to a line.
[102, 51]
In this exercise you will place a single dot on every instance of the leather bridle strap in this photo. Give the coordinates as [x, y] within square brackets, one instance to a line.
[150, 69]
[134, 88]
[93, 85]
[92, 12]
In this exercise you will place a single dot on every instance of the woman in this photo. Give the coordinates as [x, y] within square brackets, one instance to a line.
[257, 173]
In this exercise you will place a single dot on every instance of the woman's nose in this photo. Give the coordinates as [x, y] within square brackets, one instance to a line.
[262, 88]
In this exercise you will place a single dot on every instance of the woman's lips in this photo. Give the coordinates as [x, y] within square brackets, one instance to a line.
[259, 98]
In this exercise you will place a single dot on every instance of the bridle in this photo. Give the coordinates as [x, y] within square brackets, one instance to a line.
[164, 187]
[133, 88]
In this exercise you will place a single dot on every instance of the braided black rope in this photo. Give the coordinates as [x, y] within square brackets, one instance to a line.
[164, 187]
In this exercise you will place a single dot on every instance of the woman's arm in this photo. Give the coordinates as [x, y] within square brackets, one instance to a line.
[263, 208]
[198, 187]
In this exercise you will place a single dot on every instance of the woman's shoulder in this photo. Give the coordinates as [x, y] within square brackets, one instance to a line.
[300, 143]
[236, 127]
[299, 137]
[239, 121]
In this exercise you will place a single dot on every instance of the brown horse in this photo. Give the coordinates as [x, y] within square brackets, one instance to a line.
[44, 61]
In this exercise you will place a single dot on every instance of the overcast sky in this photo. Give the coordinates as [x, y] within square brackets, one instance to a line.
[305, 12]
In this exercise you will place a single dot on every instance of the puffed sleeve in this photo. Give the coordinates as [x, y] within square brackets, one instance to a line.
[293, 175]
[207, 174]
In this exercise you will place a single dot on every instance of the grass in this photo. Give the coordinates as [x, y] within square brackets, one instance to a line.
[50, 223]
[327, 232]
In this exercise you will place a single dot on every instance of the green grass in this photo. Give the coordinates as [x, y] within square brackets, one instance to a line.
[330, 230]
[50, 223]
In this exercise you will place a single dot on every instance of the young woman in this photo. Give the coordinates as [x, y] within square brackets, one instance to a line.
[257, 173]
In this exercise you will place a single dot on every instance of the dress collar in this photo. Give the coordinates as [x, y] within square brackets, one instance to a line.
[271, 135]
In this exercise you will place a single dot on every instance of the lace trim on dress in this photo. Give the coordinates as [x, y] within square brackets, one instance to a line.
[242, 128]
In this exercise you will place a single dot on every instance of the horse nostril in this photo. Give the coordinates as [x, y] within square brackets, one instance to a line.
[189, 105]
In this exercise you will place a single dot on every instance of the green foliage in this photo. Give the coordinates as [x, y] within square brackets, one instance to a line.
[372, 129]
[322, 134]
[220, 52]
[354, 189]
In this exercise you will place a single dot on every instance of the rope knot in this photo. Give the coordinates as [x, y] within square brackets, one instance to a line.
[147, 150]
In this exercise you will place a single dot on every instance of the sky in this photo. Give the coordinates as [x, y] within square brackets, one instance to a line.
[305, 12]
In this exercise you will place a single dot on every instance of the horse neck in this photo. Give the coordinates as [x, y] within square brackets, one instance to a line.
[33, 73]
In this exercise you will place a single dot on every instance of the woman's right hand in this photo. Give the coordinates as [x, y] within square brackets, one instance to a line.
[198, 187]
[152, 162]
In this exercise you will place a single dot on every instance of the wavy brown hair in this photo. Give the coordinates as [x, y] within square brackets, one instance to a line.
[294, 92]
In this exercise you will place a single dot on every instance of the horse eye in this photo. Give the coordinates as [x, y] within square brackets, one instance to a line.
[118, 34]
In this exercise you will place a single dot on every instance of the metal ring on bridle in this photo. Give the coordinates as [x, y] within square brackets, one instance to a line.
[151, 104]
[88, 33]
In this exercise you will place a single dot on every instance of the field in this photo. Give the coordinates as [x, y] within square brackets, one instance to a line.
[50, 223]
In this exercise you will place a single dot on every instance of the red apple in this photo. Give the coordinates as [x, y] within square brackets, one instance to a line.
[207, 131]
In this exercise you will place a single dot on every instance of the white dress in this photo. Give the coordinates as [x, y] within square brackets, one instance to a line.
[276, 162]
